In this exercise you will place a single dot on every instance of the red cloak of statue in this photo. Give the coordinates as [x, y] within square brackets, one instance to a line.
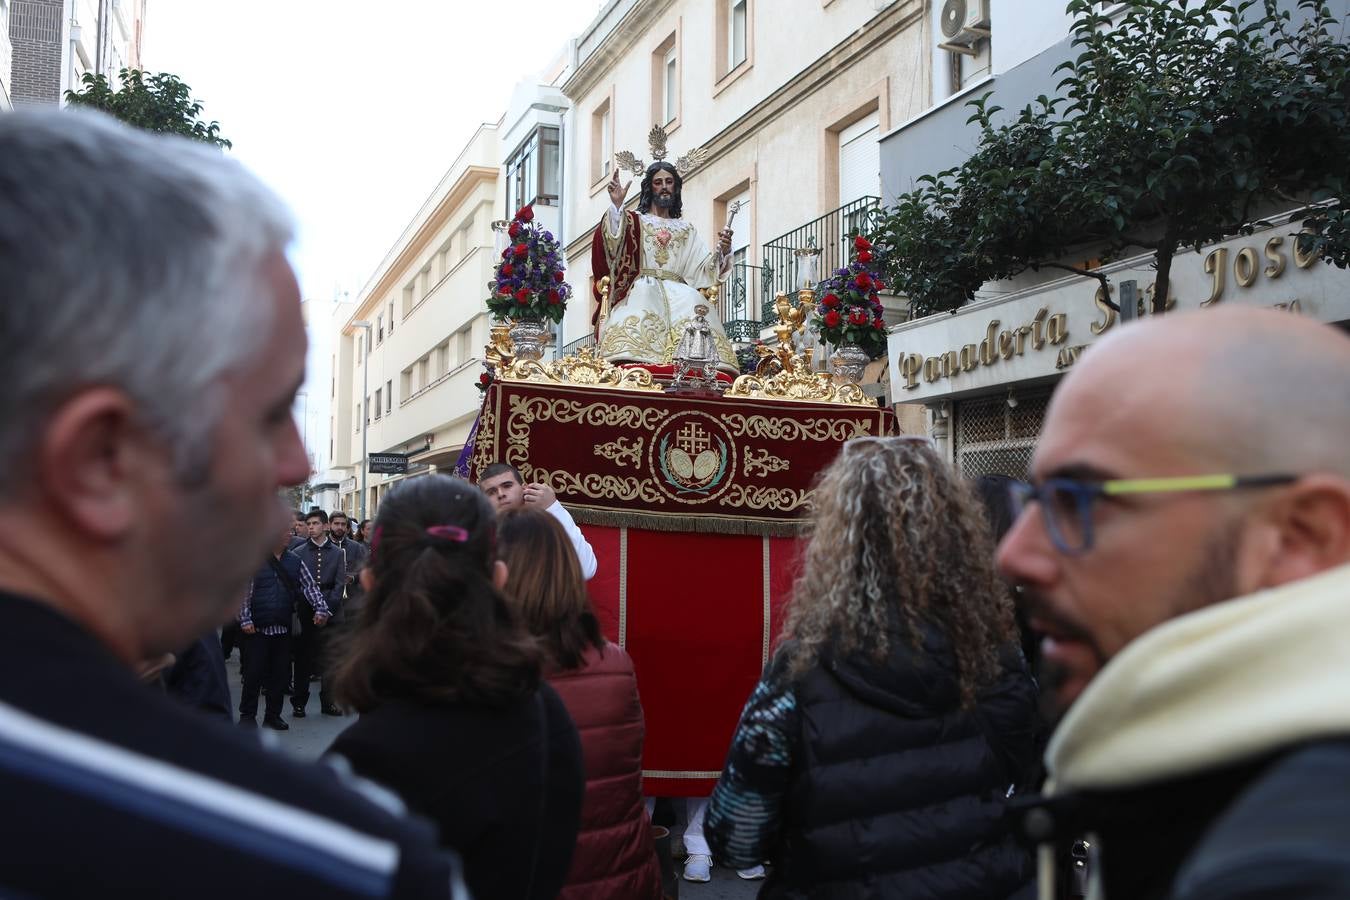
[620, 258]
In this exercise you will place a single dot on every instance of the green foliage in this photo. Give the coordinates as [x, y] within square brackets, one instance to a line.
[160, 103]
[1170, 129]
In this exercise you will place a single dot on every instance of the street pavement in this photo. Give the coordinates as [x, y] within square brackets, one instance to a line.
[309, 737]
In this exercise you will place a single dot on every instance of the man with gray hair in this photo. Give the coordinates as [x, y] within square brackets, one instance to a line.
[1184, 547]
[154, 344]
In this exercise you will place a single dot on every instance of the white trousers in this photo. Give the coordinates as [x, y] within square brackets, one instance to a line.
[695, 808]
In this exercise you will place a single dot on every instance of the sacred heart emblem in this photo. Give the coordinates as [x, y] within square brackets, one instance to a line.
[663, 237]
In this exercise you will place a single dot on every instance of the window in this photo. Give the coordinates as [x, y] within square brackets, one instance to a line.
[367, 410]
[602, 142]
[860, 159]
[736, 33]
[356, 416]
[360, 348]
[531, 174]
[409, 297]
[423, 372]
[442, 359]
[378, 410]
[389, 395]
[465, 348]
[379, 330]
[666, 81]
[672, 86]
[391, 316]
[405, 383]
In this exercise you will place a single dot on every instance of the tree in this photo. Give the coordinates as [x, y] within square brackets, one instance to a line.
[1174, 127]
[160, 103]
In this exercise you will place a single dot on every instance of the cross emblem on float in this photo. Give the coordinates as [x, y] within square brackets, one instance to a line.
[692, 439]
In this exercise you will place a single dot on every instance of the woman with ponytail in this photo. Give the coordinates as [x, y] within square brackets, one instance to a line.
[455, 717]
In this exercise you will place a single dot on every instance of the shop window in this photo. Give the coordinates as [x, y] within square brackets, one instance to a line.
[997, 435]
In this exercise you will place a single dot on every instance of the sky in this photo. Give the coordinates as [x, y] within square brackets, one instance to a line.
[352, 112]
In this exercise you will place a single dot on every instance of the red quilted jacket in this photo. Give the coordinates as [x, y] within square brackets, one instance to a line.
[614, 856]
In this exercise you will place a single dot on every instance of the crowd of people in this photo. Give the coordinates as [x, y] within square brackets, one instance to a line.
[1180, 557]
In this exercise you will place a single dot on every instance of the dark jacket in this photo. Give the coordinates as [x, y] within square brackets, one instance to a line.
[615, 857]
[504, 785]
[328, 566]
[198, 678]
[96, 767]
[896, 791]
[356, 554]
[273, 598]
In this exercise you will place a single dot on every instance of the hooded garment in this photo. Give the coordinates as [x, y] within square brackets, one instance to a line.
[1202, 712]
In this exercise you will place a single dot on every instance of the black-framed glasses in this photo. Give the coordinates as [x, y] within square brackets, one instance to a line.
[1067, 503]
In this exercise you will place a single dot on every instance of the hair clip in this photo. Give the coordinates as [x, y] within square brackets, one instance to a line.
[449, 532]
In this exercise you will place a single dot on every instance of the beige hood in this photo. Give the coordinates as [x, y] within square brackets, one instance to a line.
[1228, 682]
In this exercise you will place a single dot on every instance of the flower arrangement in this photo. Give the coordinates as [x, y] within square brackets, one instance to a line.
[528, 283]
[848, 310]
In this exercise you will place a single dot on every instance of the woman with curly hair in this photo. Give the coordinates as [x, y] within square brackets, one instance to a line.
[875, 757]
[454, 715]
[615, 858]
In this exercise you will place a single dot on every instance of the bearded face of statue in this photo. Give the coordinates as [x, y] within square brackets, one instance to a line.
[661, 189]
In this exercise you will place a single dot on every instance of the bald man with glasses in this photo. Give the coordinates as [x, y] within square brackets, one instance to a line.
[1184, 548]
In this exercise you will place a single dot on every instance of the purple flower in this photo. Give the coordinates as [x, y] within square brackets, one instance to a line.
[548, 235]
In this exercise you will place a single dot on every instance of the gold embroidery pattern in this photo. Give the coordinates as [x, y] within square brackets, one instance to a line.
[780, 429]
[777, 499]
[764, 462]
[597, 487]
[585, 368]
[621, 451]
[642, 339]
[485, 451]
[675, 239]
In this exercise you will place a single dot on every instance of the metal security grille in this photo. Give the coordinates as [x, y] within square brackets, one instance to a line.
[993, 438]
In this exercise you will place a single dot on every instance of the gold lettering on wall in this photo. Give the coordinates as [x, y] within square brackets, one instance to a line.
[1216, 266]
[1245, 267]
[1303, 260]
[1108, 314]
[1276, 267]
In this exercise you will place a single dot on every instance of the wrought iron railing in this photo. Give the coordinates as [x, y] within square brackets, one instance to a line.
[742, 302]
[829, 234]
[587, 341]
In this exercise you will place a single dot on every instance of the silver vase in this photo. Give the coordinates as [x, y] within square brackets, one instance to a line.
[848, 362]
[529, 336]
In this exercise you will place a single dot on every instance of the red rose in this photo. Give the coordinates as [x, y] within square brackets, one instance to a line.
[878, 284]
[863, 281]
[522, 296]
[554, 298]
[558, 276]
[832, 319]
[505, 290]
[878, 322]
[514, 229]
[508, 270]
[830, 301]
[865, 256]
[520, 250]
[485, 378]
[526, 214]
[857, 317]
[862, 243]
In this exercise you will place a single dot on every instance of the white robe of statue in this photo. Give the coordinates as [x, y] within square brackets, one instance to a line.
[646, 327]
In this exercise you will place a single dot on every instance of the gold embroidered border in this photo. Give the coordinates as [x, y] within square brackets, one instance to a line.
[667, 773]
[785, 429]
[623, 587]
[764, 651]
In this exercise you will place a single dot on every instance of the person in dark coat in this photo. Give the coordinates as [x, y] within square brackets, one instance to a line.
[875, 757]
[455, 717]
[615, 857]
[197, 678]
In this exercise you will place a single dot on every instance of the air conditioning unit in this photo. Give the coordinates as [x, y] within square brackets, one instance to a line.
[964, 23]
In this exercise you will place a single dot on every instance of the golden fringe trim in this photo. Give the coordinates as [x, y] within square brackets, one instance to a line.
[697, 524]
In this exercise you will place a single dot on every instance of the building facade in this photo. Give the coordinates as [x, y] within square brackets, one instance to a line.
[980, 380]
[789, 99]
[49, 45]
[409, 351]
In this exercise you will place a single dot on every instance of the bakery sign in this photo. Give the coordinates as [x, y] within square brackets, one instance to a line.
[1043, 331]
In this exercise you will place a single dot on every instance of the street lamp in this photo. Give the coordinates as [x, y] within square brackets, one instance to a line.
[365, 422]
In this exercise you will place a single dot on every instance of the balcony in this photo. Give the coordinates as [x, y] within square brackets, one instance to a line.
[742, 302]
[831, 234]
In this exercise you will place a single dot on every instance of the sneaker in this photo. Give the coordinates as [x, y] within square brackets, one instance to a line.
[698, 867]
[754, 873]
[297, 712]
[276, 723]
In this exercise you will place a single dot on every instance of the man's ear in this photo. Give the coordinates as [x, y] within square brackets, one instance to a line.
[93, 459]
[1313, 523]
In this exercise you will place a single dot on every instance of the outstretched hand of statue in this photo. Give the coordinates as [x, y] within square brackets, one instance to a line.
[618, 190]
[724, 241]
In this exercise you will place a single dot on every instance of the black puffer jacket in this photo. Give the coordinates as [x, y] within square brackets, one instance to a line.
[900, 792]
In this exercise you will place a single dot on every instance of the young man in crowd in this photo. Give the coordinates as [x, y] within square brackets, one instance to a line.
[282, 585]
[144, 435]
[354, 553]
[328, 566]
[1184, 546]
[507, 490]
